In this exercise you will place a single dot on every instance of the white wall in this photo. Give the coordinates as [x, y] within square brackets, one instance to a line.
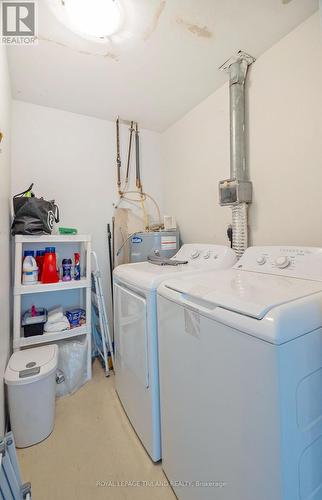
[71, 158]
[285, 150]
[5, 290]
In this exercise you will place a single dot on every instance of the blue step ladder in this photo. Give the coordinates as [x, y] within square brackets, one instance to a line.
[101, 332]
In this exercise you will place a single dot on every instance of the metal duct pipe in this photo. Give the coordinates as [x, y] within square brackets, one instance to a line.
[237, 76]
[237, 191]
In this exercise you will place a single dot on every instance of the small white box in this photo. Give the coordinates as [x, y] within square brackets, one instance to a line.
[169, 222]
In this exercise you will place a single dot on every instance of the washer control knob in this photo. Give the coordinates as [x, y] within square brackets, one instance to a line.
[216, 256]
[206, 255]
[282, 262]
[261, 260]
[195, 253]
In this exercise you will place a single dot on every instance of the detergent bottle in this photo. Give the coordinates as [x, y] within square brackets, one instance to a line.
[49, 270]
[29, 268]
[40, 255]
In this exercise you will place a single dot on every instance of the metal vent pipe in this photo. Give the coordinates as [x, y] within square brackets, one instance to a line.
[237, 191]
[237, 76]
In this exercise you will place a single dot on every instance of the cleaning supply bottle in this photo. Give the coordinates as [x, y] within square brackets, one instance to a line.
[49, 270]
[67, 269]
[29, 268]
[40, 254]
[77, 270]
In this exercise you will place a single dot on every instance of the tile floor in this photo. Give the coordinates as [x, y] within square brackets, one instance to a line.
[92, 441]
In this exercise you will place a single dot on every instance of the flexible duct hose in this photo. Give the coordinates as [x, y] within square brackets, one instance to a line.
[240, 229]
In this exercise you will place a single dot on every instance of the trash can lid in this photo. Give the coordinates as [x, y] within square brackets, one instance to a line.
[31, 365]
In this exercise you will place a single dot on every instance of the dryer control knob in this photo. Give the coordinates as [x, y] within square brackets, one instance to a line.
[194, 254]
[282, 261]
[206, 255]
[261, 260]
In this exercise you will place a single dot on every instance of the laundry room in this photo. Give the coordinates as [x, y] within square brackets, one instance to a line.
[161, 250]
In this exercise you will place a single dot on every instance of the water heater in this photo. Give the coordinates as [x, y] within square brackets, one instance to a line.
[161, 243]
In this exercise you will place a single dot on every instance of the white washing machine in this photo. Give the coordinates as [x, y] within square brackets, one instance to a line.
[241, 378]
[135, 323]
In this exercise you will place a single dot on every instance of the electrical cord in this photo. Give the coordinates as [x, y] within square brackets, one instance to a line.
[230, 235]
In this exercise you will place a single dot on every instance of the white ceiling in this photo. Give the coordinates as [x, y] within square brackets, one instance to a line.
[163, 62]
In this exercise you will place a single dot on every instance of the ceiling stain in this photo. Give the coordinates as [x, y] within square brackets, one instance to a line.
[60, 44]
[195, 29]
[155, 20]
[285, 2]
[105, 55]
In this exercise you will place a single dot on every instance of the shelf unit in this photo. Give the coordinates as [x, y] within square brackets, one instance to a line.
[20, 290]
[51, 287]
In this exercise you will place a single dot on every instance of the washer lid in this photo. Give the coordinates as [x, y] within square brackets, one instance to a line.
[149, 276]
[247, 293]
[30, 365]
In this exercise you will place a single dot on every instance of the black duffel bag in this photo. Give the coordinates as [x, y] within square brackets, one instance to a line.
[33, 215]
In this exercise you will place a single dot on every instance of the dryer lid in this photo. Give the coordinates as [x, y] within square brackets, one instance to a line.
[247, 293]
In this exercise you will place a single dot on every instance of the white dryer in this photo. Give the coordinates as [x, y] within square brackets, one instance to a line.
[135, 323]
[241, 378]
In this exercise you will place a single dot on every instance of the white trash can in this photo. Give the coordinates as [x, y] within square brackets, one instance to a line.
[31, 380]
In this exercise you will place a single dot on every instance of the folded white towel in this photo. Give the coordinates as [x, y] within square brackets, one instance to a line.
[57, 326]
[56, 314]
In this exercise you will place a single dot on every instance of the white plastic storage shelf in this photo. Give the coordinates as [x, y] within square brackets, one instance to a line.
[83, 242]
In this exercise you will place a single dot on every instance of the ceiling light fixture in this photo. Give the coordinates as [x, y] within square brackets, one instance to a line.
[93, 19]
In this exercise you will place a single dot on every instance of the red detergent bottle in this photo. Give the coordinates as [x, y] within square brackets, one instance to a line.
[40, 255]
[49, 270]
